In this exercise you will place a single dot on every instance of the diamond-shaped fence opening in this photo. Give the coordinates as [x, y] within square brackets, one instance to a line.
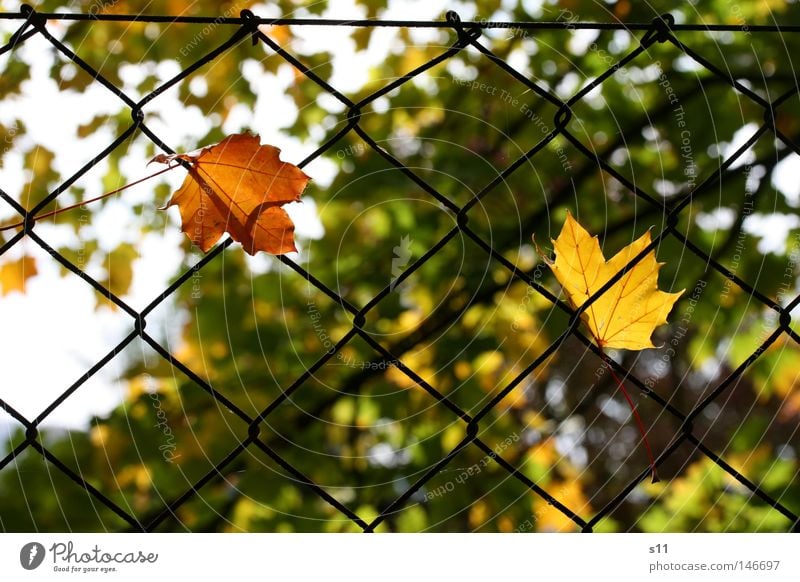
[389, 371]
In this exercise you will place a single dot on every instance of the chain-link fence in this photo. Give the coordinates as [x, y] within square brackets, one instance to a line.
[467, 34]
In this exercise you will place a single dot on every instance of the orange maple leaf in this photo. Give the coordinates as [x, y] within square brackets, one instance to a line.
[238, 186]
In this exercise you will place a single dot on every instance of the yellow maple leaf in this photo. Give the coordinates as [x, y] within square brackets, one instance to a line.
[626, 315]
[628, 312]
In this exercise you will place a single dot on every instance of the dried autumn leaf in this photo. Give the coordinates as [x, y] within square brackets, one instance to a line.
[626, 315]
[15, 274]
[238, 186]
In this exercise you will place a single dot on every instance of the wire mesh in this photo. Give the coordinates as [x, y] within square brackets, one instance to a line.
[467, 34]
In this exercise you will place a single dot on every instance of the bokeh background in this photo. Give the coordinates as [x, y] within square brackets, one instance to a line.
[142, 432]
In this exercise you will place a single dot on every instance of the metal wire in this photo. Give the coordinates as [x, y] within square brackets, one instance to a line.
[661, 30]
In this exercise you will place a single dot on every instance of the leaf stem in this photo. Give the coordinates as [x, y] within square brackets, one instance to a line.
[58, 211]
[638, 418]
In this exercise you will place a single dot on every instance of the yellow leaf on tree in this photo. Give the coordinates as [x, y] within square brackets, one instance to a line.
[626, 315]
[238, 186]
[15, 274]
